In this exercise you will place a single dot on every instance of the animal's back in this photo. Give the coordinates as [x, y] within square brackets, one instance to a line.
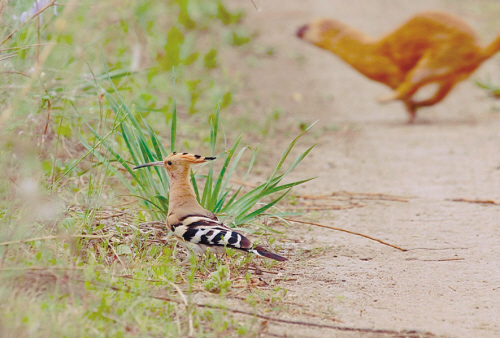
[429, 32]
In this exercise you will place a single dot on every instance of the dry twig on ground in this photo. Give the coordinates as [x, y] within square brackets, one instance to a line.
[348, 231]
[474, 201]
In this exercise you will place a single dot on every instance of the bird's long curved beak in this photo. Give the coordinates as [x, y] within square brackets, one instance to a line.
[151, 164]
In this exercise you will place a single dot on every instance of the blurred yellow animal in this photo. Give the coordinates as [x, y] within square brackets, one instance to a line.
[432, 47]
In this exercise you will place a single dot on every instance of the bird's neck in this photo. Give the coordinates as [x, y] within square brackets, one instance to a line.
[182, 194]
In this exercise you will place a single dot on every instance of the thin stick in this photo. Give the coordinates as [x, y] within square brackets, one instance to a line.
[14, 72]
[116, 254]
[373, 194]
[286, 321]
[344, 230]
[262, 270]
[99, 217]
[159, 223]
[49, 107]
[179, 330]
[268, 318]
[54, 237]
[326, 207]
[126, 203]
[43, 9]
[7, 56]
[43, 268]
[275, 335]
[24, 47]
[357, 195]
[255, 6]
[2, 261]
[188, 310]
[474, 201]
[442, 260]
[296, 322]
[458, 248]
[39, 22]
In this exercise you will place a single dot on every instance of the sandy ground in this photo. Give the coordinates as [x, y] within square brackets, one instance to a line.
[448, 282]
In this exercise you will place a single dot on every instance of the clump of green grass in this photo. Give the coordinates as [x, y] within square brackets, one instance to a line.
[218, 194]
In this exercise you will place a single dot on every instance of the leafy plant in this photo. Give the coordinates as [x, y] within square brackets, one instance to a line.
[218, 194]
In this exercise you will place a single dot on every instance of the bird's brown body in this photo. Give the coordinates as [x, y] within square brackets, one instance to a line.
[432, 47]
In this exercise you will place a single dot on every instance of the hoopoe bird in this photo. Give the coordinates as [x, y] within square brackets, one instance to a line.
[197, 228]
[430, 48]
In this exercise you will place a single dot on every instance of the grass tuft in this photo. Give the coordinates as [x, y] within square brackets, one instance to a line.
[218, 193]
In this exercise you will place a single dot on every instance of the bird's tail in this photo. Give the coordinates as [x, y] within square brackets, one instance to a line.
[260, 251]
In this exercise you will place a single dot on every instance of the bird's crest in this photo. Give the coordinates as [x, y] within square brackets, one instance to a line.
[187, 157]
[177, 158]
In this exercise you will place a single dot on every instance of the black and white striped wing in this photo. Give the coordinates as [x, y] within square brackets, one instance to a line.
[210, 232]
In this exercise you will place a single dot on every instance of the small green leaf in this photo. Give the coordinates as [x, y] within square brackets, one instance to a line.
[210, 59]
[225, 16]
[226, 100]
[191, 59]
[239, 40]
[172, 49]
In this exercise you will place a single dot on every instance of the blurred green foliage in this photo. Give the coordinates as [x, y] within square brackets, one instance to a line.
[156, 51]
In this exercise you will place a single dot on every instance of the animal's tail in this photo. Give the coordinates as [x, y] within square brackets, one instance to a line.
[492, 49]
[260, 251]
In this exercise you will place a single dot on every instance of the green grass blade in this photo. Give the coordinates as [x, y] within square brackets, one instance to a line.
[246, 218]
[195, 186]
[231, 201]
[101, 141]
[213, 130]
[252, 195]
[217, 189]
[173, 128]
[220, 202]
[111, 168]
[134, 152]
[207, 190]
[287, 151]
[299, 159]
[230, 174]
[252, 162]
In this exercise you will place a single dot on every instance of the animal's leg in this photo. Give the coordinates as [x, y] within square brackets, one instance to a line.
[440, 94]
[412, 106]
[430, 68]
[191, 250]
[412, 110]
[187, 261]
[415, 80]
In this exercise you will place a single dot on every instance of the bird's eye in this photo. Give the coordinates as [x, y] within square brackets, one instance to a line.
[169, 162]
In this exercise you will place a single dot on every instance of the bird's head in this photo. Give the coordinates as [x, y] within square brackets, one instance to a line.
[177, 164]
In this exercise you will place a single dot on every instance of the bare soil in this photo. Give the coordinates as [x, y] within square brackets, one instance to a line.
[448, 282]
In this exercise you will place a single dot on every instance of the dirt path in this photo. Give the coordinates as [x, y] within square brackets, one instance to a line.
[448, 283]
